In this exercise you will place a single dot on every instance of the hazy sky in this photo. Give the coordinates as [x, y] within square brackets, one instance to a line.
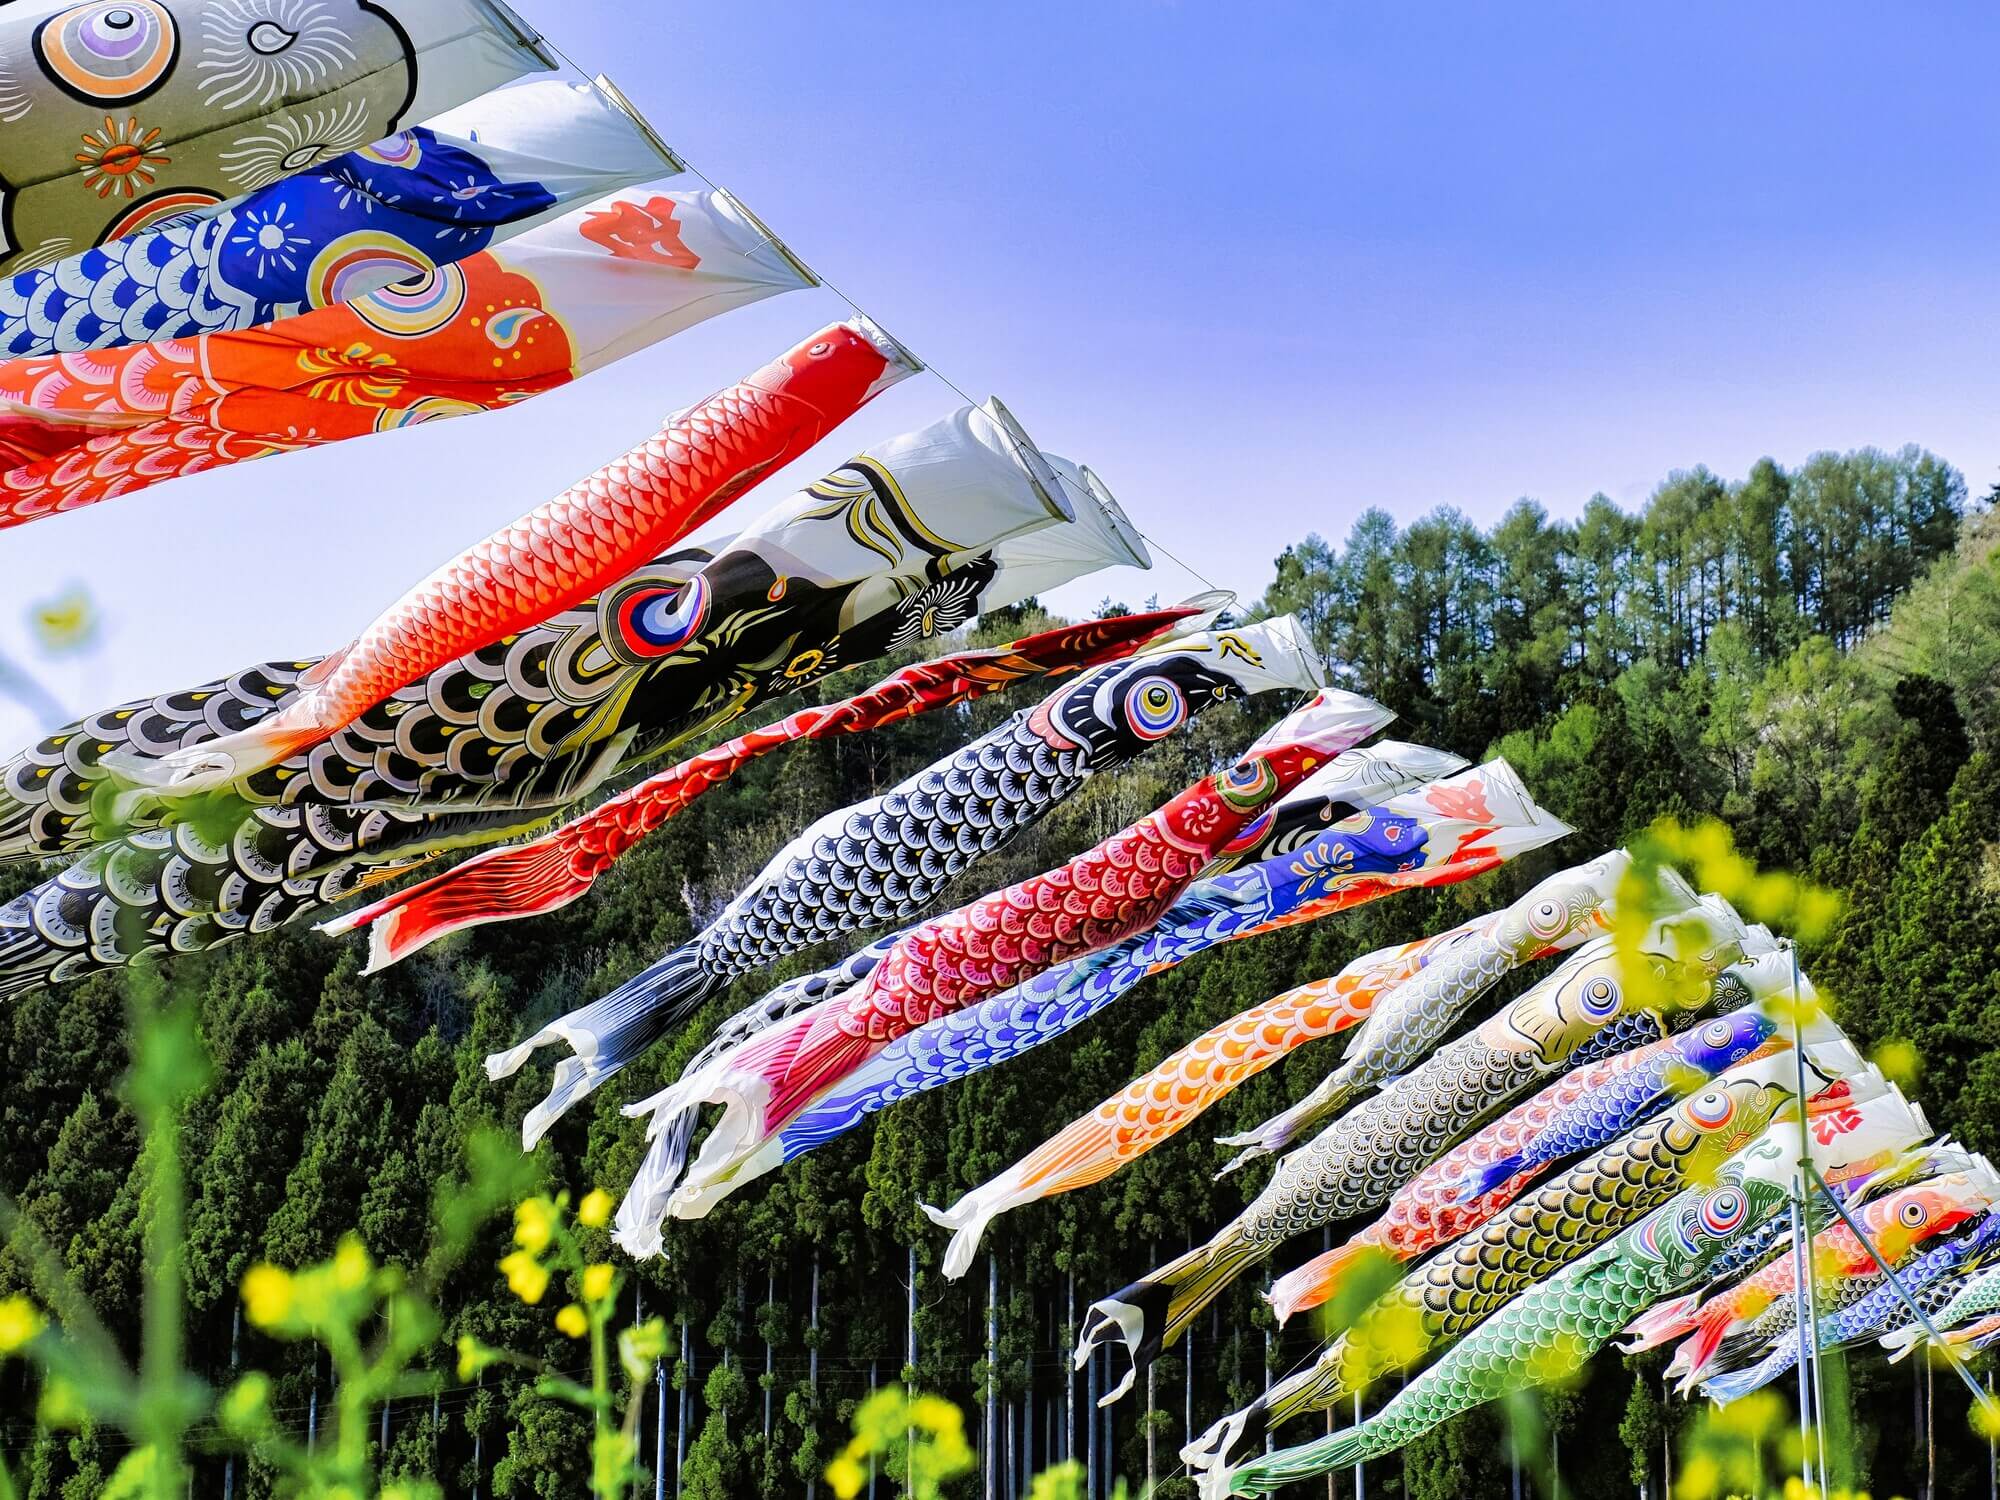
[1261, 265]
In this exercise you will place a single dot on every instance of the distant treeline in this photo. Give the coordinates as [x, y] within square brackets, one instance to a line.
[1810, 653]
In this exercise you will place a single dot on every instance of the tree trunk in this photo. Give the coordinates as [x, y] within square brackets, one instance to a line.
[770, 1300]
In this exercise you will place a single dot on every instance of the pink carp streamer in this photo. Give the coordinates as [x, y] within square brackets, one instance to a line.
[1104, 895]
[564, 551]
[1452, 1197]
[1478, 818]
[1896, 1223]
[550, 872]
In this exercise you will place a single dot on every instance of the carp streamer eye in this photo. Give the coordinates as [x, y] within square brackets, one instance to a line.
[1156, 708]
[1546, 919]
[656, 621]
[1599, 998]
[1722, 1211]
[1712, 1110]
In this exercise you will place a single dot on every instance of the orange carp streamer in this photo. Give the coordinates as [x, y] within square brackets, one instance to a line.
[566, 550]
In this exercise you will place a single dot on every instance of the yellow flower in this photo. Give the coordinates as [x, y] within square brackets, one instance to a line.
[846, 1476]
[571, 1320]
[596, 1282]
[473, 1356]
[267, 1295]
[534, 1225]
[351, 1264]
[595, 1210]
[527, 1278]
[19, 1323]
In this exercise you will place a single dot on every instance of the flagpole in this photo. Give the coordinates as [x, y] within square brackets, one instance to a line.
[1808, 1276]
[1805, 1302]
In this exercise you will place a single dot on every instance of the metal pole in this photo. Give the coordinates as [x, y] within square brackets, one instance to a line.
[989, 1428]
[1806, 1305]
[1801, 1253]
[1360, 1479]
[660, 1431]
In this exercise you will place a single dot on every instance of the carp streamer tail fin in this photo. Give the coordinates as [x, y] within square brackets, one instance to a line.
[219, 762]
[1480, 1181]
[499, 885]
[1318, 1280]
[1662, 1324]
[608, 1033]
[1151, 1313]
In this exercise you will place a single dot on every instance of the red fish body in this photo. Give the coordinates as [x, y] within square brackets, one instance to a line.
[566, 550]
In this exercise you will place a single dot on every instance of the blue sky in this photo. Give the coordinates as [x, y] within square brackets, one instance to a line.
[1260, 265]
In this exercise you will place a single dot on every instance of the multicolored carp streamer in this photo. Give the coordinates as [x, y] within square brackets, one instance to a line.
[399, 208]
[487, 332]
[884, 860]
[1587, 1108]
[1932, 1278]
[1408, 1018]
[1108, 893]
[1474, 820]
[1896, 1224]
[1354, 1165]
[1553, 1328]
[561, 552]
[117, 116]
[997, 1029]
[1973, 1297]
[1447, 831]
[1570, 1215]
[180, 890]
[549, 872]
[903, 543]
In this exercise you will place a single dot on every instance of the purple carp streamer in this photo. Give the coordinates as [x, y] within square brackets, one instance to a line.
[884, 860]
[1353, 1166]
[385, 213]
[113, 118]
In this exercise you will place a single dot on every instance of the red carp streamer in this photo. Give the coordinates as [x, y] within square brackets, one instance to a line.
[561, 553]
[549, 872]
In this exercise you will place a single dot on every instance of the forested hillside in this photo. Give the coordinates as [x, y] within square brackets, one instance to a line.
[1809, 653]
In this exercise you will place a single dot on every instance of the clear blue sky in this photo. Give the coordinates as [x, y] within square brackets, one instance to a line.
[1261, 265]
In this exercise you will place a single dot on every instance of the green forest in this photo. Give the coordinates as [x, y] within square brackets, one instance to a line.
[1809, 653]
